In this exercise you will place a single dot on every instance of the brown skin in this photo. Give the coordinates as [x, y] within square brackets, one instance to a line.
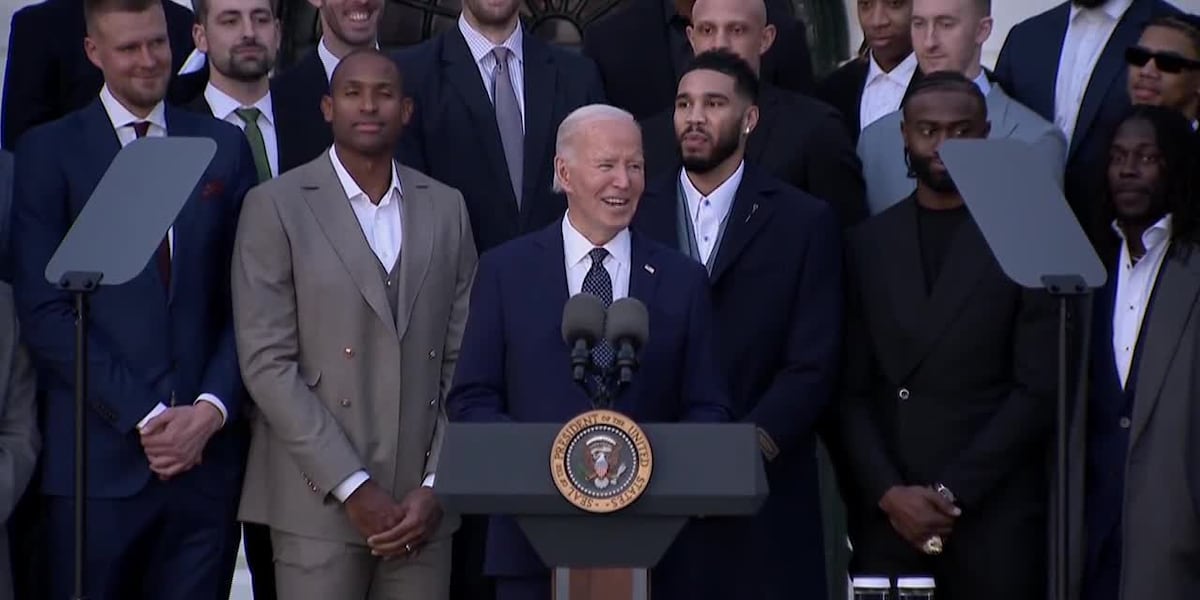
[420, 514]
[930, 119]
[1135, 179]
[367, 110]
[241, 39]
[132, 51]
[739, 26]
[918, 513]
[1150, 86]
[711, 119]
[885, 27]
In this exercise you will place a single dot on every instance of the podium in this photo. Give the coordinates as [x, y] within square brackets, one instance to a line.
[700, 470]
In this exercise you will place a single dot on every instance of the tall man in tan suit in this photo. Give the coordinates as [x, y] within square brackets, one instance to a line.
[351, 278]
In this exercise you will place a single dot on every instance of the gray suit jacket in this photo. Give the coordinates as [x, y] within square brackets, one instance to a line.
[1160, 524]
[19, 438]
[341, 383]
[881, 148]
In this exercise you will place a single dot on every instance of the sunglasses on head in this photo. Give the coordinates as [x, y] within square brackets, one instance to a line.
[1166, 62]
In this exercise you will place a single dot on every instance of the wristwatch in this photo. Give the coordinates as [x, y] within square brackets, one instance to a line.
[945, 492]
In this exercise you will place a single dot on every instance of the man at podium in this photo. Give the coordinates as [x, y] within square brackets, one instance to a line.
[514, 366]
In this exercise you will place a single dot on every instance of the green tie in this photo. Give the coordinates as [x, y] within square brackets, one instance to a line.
[258, 147]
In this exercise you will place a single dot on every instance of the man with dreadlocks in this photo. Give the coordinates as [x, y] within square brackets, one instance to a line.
[949, 385]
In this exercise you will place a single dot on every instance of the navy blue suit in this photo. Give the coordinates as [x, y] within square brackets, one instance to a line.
[514, 365]
[147, 343]
[454, 138]
[1027, 69]
[777, 295]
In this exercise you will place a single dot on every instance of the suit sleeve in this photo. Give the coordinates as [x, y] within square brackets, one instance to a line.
[788, 411]
[467, 261]
[222, 378]
[479, 388]
[873, 470]
[705, 390]
[40, 220]
[834, 171]
[29, 94]
[19, 438]
[1022, 426]
[264, 304]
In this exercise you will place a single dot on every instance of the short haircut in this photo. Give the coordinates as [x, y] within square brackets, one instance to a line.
[570, 126]
[334, 77]
[745, 82]
[200, 8]
[93, 8]
[1188, 25]
[944, 81]
[984, 6]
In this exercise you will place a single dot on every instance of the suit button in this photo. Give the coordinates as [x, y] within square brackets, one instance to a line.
[433, 401]
[426, 455]
[1125, 422]
[432, 354]
[349, 352]
[902, 394]
[345, 402]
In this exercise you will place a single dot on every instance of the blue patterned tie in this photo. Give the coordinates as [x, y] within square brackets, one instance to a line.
[598, 283]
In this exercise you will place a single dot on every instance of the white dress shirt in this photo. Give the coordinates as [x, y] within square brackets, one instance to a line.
[122, 122]
[383, 227]
[329, 60]
[1135, 284]
[884, 90]
[1088, 31]
[981, 81]
[481, 51]
[224, 107]
[578, 263]
[707, 212]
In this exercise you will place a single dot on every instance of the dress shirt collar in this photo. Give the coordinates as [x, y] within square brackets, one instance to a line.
[351, 187]
[1113, 9]
[721, 198]
[901, 74]
[981, 81]
[1152, 237]
[121, 117]
[223, 104]
[576, 247]
[328, 59]
[481, 47]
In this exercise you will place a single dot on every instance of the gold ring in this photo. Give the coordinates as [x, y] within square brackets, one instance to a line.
[932, 546]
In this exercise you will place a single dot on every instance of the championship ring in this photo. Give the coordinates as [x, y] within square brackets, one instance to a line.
[601, 461]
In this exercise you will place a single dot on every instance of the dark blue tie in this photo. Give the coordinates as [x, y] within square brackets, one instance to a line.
[598, 283]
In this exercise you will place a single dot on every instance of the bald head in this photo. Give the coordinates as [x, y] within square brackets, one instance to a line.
[739, 26]
[368, 59]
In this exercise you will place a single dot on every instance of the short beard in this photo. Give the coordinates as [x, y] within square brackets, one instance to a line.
[726, 146]
[942, 184]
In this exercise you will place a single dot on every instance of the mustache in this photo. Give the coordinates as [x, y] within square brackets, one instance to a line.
[249, 46]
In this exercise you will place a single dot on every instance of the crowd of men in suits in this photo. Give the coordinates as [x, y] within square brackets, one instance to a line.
[385, 241]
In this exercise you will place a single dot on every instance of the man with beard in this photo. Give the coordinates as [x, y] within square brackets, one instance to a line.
[1164, 66]
[799, 140]
[241, 41]
[949, 380]
[1068, 65]
[1134, 526]
[774, 259]
[346, 26]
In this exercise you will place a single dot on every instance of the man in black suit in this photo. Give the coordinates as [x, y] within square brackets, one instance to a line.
[872, 85]
[47, 74]
[486, 125]
[949, 381]
[643, 48]
[240, 39]
[346, 25]
[774, 258]
[798, 139]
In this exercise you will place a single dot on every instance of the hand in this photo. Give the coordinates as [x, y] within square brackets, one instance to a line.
[372, 510]
[422, 514]
[174, 441]
[918, 513]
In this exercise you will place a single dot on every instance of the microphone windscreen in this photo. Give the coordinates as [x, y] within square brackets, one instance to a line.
[583, 317]
[628, 320]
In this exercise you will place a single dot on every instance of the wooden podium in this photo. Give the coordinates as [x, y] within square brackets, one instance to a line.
[699, 470]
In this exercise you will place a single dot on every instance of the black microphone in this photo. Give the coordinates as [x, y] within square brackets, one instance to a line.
[582, 327]
[627, 329]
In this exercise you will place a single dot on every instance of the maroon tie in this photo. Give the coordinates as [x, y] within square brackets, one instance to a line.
[163, 256]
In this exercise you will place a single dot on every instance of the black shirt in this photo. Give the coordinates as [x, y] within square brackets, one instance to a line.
[935, 231]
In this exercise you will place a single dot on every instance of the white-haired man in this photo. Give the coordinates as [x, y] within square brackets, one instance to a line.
[522, 286]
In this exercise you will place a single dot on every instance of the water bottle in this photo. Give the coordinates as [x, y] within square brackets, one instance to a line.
[916, 588]
[872, 588]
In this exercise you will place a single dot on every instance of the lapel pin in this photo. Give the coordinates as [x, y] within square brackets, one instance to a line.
[649, 269]
[753, 209]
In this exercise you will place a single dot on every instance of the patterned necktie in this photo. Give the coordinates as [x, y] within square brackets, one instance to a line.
[508, 119]
[598, 283]
[163, 255]
[258, 146]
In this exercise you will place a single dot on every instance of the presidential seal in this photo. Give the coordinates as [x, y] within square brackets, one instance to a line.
[601, 461]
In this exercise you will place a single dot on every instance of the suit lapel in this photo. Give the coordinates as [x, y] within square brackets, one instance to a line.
[1109, 67]
[1174, 299]
[1048, 86]
[750, 212]
[325, 197]
[417, 249]
[552, 265]
[463, 73]
[998, 104]
[540, 84]
[185, 222]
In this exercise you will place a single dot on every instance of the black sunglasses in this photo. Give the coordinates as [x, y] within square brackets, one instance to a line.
[1166, 62]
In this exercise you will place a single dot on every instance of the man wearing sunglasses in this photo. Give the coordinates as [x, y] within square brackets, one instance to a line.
[1164, 66]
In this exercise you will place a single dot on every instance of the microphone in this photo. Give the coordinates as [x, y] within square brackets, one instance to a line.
[582, 327]
[627, 329]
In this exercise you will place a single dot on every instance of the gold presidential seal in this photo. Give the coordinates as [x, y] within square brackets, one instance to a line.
[601, 461]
